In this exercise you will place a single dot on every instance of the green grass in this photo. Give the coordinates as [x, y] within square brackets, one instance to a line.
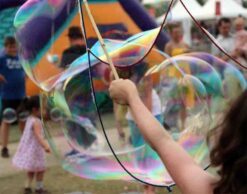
[58, 181]
[14, 133]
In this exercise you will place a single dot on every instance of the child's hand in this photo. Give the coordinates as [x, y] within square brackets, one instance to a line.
[47, 149]
[123, 91]
[2, 79]
[122, 135]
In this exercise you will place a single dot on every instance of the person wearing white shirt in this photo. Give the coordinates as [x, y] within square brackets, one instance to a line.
[225, 39]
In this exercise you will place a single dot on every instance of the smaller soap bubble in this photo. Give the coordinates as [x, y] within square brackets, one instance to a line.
[9, 115]
[56, 114]
[22, 116]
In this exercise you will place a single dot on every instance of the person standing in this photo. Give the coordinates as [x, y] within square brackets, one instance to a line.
[225, 39]
[30, 154]
[76, 49]
[176, 45]
[12, 78]
[240, 47]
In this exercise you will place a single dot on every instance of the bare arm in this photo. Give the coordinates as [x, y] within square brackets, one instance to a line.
[188, 49]
[2, 79]
[168, 49]
[118, 124]
[37, 133]
[189, 177]
[147, 99]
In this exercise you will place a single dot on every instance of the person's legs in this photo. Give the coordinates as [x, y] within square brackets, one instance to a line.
[39, 180]
[13, 104]
[135, 135]
[148, 189]
[39, 183]
[22, 113]
[5, 139]
[21, 126]
[28, 184]
[183, 115]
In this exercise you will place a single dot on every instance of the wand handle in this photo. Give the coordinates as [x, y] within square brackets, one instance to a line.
[102, 43]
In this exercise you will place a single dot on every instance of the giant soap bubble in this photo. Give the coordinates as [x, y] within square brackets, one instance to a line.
[9, 115]
[42, 35]
[233, 81]
[74, 131]
[178, 91]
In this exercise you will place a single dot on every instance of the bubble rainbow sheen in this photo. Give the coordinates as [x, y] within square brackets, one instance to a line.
[186, 87]
[233, 81]
[224, 68]
[76, 137]
[40, 24]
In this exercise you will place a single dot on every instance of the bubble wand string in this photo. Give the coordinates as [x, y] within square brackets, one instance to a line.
[209, 37]
[169, 187]
[97, 108]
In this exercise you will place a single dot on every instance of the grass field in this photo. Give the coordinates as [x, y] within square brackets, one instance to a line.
[58, 181]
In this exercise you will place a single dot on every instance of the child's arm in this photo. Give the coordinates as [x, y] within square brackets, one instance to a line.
[118, 124]
[189, 177]
[37, 133]
[187, 47]
[147, 100]
[2, 78]
[168, 49]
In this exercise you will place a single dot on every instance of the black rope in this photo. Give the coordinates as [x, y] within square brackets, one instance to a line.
[210, 38]
[89, 52]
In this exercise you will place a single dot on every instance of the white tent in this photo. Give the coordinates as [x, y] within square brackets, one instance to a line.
[227, 8]
[178, 13]
[145, 2]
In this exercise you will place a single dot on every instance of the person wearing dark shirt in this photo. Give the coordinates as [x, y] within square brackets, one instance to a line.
[76, 49]
[12, 79]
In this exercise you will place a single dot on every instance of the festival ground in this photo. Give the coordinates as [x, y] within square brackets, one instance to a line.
[58, 181]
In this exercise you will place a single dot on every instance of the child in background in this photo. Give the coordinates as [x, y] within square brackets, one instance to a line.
[30, 155]
[176, 46]
[12, 80]
[240, 51]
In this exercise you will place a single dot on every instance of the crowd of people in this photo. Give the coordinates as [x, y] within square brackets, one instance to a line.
[229, 154]
[231, 37]
[30, 154]
[233, 43]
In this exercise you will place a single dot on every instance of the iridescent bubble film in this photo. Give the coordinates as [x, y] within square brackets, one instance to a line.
[233, 81]
[42, 33]
[39, 25]
[182, 92]
[9, 115]
[22, 116]
[176, 98]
